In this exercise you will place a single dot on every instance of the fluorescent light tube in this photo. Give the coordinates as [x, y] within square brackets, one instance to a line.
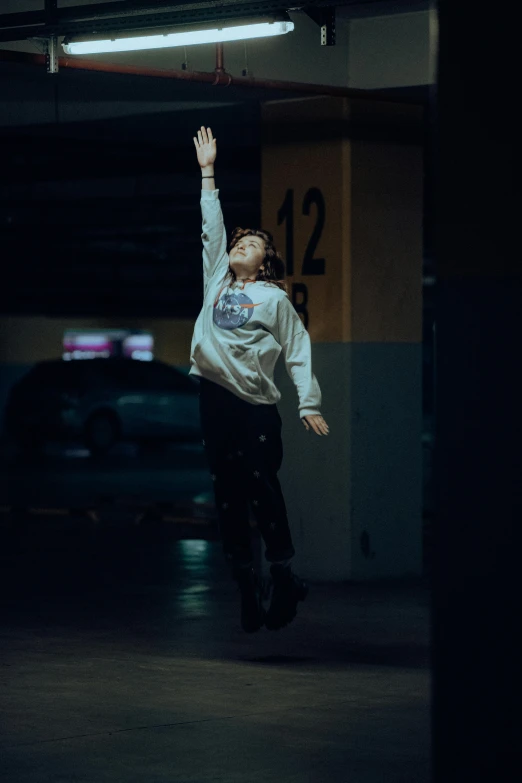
[216, 35]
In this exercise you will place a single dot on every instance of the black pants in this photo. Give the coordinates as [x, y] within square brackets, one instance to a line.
[244, 452]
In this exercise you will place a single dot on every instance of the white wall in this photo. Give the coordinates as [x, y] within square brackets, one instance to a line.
[390, 51]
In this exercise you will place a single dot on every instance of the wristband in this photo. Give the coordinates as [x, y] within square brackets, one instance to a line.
[211, 177]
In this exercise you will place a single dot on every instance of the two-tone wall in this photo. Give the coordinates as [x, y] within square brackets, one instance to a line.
[342, 194]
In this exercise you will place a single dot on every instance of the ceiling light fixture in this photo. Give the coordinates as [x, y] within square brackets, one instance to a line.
[189, 37]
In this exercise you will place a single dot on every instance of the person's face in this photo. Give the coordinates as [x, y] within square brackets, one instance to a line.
[247, 256]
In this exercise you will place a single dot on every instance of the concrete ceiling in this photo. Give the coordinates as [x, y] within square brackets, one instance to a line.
[99, 200]
[306, 30]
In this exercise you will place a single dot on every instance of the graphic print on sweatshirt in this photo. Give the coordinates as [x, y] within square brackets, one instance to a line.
[233, 310]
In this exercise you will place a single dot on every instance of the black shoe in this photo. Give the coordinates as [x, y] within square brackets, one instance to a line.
[288, 590]
[252, 610]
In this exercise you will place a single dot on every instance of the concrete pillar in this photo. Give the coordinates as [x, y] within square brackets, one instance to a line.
[476, 591]
[342, 195]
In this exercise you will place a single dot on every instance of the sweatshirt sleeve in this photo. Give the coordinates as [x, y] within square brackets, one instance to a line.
[213, 235]
[297, 352]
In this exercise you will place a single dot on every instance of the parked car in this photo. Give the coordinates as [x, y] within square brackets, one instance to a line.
[102, 401]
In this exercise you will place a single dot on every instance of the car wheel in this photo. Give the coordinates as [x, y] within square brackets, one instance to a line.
[102, 431]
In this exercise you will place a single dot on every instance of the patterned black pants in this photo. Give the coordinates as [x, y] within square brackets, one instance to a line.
[244, 452]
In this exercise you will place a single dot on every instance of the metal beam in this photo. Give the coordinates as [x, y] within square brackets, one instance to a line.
[93, 11]
[120, 11]
[183, 14]
[325, 18]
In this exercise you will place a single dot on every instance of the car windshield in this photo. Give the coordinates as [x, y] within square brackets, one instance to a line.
[59, 374]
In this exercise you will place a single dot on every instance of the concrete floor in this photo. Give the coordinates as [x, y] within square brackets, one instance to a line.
[122, 660]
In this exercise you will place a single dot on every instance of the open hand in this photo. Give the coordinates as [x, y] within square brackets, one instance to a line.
[206, 147]
[317, 423]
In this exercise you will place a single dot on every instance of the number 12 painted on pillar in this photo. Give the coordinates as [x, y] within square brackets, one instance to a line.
[311, 265]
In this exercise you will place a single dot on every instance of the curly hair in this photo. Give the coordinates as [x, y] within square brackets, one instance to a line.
[274, 266]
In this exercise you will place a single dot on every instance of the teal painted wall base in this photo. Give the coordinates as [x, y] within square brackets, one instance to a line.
[354, 497]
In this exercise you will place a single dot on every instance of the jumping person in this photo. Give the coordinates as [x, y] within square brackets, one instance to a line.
[246, 321]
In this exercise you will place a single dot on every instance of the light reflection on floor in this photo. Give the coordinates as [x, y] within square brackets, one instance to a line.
[194, 550]
[193, 598]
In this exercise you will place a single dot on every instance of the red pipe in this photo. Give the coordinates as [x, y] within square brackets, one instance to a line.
[220, 65]
[217, 77]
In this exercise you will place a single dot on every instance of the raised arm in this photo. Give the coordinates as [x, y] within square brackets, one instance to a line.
[213, 229]
[207, 151]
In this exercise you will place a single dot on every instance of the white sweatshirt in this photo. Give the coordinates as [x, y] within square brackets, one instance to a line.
[243, 327]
